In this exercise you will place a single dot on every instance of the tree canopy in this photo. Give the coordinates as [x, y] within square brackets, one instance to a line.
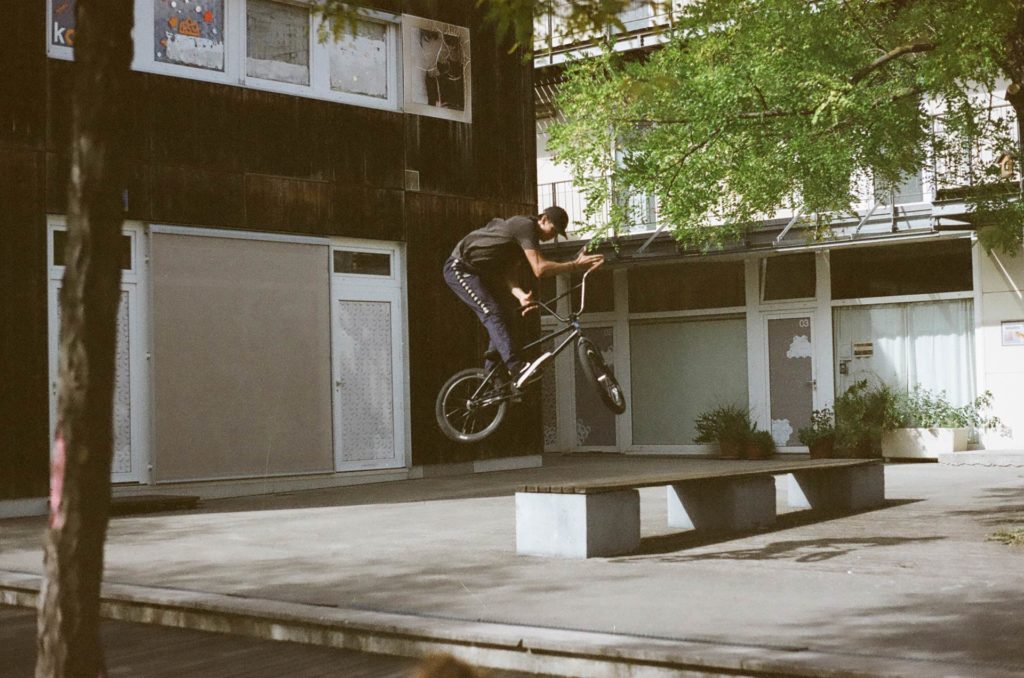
[755, 104]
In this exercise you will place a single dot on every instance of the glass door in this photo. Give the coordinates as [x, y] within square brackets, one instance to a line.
[791, 380]
[368, 355]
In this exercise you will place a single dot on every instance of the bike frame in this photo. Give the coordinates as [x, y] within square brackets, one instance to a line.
[571, 328]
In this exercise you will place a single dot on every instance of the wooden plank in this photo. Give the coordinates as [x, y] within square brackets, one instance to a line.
[662, 479]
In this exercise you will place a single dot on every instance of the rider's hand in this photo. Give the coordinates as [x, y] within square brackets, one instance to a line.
[589, 261]
[526, 303]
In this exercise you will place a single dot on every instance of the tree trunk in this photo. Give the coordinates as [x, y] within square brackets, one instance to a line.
[68, 643]
[1015, 92]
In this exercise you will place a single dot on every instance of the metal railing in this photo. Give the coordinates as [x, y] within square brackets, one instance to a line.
[642, 207]
[549, 31]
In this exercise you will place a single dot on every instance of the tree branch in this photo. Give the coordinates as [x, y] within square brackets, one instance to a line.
[895, 53]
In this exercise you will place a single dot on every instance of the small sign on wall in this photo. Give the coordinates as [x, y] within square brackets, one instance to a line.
[1013, 332]
[863, 349]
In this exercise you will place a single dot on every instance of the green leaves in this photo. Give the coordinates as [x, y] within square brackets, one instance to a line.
[753, 105]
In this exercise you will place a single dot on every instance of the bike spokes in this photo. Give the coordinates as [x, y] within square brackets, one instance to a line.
[469, 407]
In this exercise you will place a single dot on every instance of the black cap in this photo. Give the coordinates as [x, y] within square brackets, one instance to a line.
[557, 216]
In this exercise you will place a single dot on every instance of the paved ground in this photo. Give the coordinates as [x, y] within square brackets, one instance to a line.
[148, 651]
[914, 588]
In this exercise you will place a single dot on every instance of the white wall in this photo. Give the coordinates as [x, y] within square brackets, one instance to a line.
[1002, 295]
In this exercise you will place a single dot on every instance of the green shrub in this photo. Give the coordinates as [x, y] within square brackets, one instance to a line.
[921, 408]
[725, 423]
[862, 413]
[823, 425]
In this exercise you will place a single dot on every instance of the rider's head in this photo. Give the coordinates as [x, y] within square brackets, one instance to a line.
[553, 221]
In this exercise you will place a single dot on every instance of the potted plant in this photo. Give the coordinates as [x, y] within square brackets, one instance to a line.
[924, 424]
[820, 435]
[760, 445]
[726, 425]
[862, 412]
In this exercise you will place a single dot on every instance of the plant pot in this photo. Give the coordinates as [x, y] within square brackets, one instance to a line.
[755, 451]
[729, 449]
[823, 448]
[923, 443]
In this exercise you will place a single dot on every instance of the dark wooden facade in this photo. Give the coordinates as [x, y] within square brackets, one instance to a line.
[219, 156]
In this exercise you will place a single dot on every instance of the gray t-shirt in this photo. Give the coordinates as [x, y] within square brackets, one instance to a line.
[498, 247]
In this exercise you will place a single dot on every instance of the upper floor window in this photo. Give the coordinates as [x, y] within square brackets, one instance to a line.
[277, 41]
[275, 45]
[918, 268]
[189, 33]
[789, 276]
[687, 286]
[436, 68]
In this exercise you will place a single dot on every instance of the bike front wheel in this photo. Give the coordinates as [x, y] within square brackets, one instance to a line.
[600, 376]
[469, 408]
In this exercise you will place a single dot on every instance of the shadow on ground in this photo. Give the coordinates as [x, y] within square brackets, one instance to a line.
[964, 626]
[669, 544]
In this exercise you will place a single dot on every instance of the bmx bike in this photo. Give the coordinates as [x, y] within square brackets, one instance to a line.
[472, 403]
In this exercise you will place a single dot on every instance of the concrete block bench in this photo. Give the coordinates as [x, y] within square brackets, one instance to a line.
[585, 520]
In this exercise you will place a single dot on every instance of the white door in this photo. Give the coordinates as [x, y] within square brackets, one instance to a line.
[368, 348]
[791, 380]
[131, 458]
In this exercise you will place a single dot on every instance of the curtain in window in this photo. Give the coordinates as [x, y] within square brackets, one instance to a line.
[942, 349]
[929, 344]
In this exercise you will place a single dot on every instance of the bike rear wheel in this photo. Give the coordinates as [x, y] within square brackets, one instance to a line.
[469, 407]
[600, 376]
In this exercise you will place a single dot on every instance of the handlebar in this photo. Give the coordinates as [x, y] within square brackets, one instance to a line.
[582, 286]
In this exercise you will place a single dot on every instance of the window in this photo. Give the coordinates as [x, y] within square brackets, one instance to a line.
[273, 45]
[60, 246]
[682, 287]
[908, 190]
[189, 33]
[919, 268]
[700, 364]
[362, 263]
[787, 277]
[277, 41]
[436, 69]
[360, 61]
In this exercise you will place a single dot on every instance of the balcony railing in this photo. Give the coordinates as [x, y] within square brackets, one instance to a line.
[642, 206]
[639, 19]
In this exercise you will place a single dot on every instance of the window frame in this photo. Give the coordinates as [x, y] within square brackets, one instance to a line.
[235, 54]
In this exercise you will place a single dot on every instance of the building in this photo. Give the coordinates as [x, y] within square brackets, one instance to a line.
[283, 322]
[902, 295]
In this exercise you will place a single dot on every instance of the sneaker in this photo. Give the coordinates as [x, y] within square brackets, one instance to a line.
[531, 371]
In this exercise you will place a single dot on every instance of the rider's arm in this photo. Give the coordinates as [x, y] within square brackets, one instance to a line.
[542, 268]
[520, 282]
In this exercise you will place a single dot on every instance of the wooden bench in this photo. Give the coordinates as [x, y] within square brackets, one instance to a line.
[602, 518]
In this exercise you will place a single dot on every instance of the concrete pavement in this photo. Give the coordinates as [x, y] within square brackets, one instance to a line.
[912, 589]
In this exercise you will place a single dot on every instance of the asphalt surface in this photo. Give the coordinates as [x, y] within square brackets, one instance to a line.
[916, 588]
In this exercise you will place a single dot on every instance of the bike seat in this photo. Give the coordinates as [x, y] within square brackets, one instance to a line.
[493, 355]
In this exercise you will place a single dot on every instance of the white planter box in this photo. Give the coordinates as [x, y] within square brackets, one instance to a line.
[923, 443]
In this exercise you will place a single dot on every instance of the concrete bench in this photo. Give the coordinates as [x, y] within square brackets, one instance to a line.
[588, 519]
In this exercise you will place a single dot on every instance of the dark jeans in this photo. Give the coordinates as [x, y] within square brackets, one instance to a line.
[474, 291]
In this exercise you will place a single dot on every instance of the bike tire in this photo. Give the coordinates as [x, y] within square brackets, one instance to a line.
[456, 416]
[600, 376]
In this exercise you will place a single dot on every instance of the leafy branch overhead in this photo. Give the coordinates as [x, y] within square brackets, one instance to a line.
[751, 106]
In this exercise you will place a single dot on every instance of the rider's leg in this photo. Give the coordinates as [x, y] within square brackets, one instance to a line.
[474, 292]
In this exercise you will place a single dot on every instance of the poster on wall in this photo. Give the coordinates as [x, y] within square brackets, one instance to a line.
[437, 68]
[1013, 333]
[189, 33]
[62, 27]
